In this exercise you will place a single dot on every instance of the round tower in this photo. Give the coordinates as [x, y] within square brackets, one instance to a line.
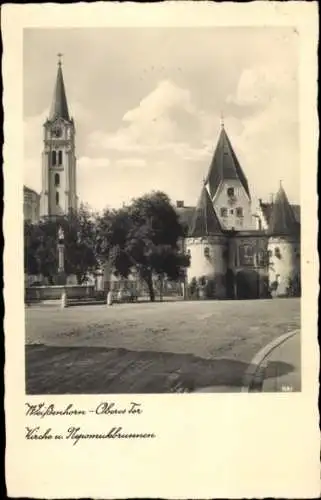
[283, 248]
[207, 247]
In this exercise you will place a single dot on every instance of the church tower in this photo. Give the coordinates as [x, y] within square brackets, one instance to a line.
[208, 249]
[228, 187]
[58, 195]
[283, 246]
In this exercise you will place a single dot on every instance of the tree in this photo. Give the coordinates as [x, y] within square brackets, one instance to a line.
[41, 252]
[40, 249]
[144, 236]
[80, 245]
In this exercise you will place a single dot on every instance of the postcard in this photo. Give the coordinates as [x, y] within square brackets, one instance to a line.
[160, 261]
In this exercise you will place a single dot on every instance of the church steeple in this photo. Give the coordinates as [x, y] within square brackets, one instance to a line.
[282, 220]
[59, 187]
[225, 165]
[205, 221]
[59, 107]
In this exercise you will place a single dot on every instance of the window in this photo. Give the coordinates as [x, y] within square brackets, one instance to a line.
[261, 257]
[239, 212]
[277, 252]
[53, 158]
[59, 157]
[206, 252]
[231, 211]
[246, 255]
[223, 212]
[57, 198]
[230, 191]
[57, 180]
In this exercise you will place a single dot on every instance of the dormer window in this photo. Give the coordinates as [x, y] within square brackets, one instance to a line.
[230, 192]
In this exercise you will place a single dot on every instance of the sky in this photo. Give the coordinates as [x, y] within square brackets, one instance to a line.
[147, 104]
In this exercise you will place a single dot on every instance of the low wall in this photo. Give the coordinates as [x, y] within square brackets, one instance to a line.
[48, 292]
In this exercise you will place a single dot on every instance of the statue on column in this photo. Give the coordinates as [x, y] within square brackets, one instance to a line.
[61, 257]
[61, 235]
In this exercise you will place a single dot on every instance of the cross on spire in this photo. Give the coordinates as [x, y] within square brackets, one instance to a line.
[222, 119]
[59, 55]
[59, 106]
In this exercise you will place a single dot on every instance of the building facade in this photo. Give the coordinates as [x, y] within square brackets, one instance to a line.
[31, 205]
[235, 252]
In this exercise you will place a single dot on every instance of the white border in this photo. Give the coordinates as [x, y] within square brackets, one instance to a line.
[209, 446]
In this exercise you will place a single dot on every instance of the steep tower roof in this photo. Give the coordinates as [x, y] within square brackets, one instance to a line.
[282, 218]
[59, 107]
[204, 221]
[225, 165]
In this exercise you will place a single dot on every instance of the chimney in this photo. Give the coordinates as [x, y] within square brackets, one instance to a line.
[180, 204]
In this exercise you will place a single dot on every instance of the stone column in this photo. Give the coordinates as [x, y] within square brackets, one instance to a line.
[61, 257]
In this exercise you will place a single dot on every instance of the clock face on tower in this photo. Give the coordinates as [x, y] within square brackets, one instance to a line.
[56, 132]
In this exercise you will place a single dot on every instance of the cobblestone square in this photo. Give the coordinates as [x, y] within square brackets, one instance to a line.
[151, 348]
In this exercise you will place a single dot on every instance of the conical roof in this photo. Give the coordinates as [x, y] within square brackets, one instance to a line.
[59, 107]
[225, 166]
[204, 221]
[282, 218]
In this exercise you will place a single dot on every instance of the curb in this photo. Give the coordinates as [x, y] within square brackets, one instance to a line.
[254, 375]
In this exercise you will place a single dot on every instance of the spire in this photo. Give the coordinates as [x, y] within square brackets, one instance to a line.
[224, 165]
[222, 120]
[204, 221]
[282, 219]
[59, 107]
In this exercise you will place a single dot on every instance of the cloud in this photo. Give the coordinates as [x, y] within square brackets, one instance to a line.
[261, 85]
[160, 122]
[131, 162]
[266, 137]
[92, 164]
[160, 130]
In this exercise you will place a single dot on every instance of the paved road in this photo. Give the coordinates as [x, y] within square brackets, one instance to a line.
[149, 348]
[287, 354]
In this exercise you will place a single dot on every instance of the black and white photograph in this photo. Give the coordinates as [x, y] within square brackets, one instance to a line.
[161, 210]
[160, 250]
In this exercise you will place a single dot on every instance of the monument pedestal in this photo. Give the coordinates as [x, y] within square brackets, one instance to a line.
[61, 278]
